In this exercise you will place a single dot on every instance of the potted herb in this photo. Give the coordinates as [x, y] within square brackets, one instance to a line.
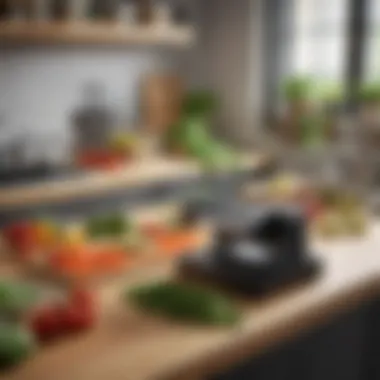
[193, 125]
[200, 103]
[331, 98]
[192, 135]
[312, 129]
[298, 92]
[369, 113]
[369, 100]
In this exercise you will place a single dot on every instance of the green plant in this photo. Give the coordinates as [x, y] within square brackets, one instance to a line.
[199, 103]
[298, 88]
[330, 92]
[313, 129]
[192, 135]
[369, 93]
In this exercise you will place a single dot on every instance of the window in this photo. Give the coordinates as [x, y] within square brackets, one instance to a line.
[333, 40]
[319, 42]
[372, 46]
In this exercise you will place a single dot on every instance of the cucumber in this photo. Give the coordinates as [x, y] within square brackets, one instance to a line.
[185, 303]
[16, 344]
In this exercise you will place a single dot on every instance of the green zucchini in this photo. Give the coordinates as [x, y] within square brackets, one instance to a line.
[185, 302]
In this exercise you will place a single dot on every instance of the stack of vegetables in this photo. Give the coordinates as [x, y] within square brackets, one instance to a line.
[341, 214]
[24, 325]
[104, 245]
[313, 108]
[331, 211]
[192, 136]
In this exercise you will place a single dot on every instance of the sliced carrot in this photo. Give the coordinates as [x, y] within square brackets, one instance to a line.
[110, 261]
[153, 230]
[177, 242]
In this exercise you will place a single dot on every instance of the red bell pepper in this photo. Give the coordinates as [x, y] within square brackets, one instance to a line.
[21, 237]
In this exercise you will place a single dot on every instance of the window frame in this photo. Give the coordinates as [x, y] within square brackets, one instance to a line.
[278, 19]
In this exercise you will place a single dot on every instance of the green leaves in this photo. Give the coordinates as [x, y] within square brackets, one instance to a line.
[114, 225]
[313, 129]
[199, 103]
[329, 92]
[298, 88]
[193, 136]
[306, 88]
[370, 93]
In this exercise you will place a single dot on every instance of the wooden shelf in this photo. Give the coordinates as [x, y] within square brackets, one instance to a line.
[82, 33]
[92, 184]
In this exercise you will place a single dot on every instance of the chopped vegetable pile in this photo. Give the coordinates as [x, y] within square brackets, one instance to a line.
[20, 337]
[103, 245]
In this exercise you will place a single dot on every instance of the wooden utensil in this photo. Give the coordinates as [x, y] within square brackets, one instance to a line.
[162, 97]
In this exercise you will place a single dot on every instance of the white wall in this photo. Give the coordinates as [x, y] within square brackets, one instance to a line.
[39, 88]
[233, 57]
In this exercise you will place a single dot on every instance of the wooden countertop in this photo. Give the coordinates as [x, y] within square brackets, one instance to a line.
[139, 173]
[127, 345]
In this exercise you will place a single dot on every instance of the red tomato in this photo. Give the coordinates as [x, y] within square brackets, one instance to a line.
[21, 237]
[100, 159]
[56, 321]
[47, 323]
[81, 298]
[76, 319]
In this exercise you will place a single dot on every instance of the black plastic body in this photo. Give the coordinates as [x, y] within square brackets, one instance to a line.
[267, 253]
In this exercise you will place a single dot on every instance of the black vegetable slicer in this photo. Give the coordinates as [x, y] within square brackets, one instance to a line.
[256, 255]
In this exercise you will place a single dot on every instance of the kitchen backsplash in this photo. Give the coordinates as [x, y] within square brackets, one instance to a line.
[41, 88]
